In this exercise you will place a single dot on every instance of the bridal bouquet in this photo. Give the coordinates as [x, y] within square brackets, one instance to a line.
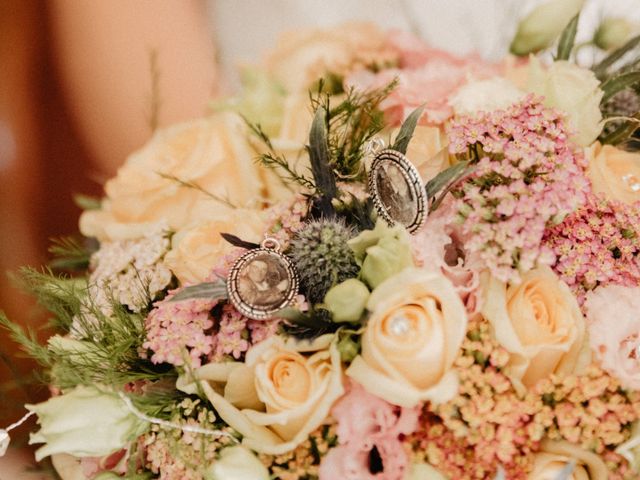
[379, 262]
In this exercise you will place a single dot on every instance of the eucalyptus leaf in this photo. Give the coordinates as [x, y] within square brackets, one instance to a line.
[568, 39]
[601, 69]
[208, 290]
[444, 178]
[406, 131]
[618, 83]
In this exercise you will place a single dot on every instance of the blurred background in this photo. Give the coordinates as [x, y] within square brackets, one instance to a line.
[42, 163]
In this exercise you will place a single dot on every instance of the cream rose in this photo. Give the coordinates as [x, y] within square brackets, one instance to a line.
[212, 153]
[614, 173]
[301, 57]
[573, 90]
[281, 393]
[553, 457]
[414, 334]
[538, 322]
[195, 250]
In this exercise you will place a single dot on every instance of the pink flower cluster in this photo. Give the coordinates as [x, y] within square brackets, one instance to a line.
[236, 333]
[526, 177]
[597, 245]
[426, 77]
[177, 331]
[370, 432]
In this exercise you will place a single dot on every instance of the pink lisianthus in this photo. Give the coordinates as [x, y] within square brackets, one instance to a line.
[438, 245]
[426, 77]
[115, 463]
[370, 432]
[613, 318]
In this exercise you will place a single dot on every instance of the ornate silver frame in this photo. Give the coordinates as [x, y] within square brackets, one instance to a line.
[251, 310]
[413, 181]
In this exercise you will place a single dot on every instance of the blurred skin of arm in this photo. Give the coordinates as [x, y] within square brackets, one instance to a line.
[103, 52]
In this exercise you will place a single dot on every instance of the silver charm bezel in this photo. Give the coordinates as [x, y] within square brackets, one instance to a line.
[413, 181]
[270, 248]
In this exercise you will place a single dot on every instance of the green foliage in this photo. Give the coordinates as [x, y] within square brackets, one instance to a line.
[277, 162]
[70, 254]
[108, 352]
[602, 69]
[307, 325]
[320, 160]
[85, 202]
[568, 39]
[210, 290]
[406, 131]
[59, 294]
[350, 125]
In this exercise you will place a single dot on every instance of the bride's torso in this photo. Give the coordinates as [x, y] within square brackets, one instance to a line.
[244, 29]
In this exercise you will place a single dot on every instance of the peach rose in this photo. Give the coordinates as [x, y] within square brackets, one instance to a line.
[427, 151]
[195, 250]
[538, 322]
[212, 153]
[414, 334]
[614, 173]
[282, 392]
[553, 457]
[301, 57]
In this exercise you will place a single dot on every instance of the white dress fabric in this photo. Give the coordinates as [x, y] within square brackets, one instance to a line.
[244, 29]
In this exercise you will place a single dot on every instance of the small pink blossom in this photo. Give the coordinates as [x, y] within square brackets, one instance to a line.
[370, 432]
[613, 319]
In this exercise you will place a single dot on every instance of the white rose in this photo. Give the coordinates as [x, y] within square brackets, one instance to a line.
[281, 393]
[573, 90]
[485, 96]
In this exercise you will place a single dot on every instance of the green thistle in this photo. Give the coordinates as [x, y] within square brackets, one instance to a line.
[322, 256]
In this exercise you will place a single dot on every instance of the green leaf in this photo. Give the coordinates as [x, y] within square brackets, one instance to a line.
[601, 69]
[623, 133]
[209, 290]
[406, 131]
[320, 160]
[445, 177]
[567, 39]
[86, 202]
[619, 83]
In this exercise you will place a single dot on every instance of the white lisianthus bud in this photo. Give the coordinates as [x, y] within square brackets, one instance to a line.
[613, 33]
[237, 463]
[542, 26]
[85, 422]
